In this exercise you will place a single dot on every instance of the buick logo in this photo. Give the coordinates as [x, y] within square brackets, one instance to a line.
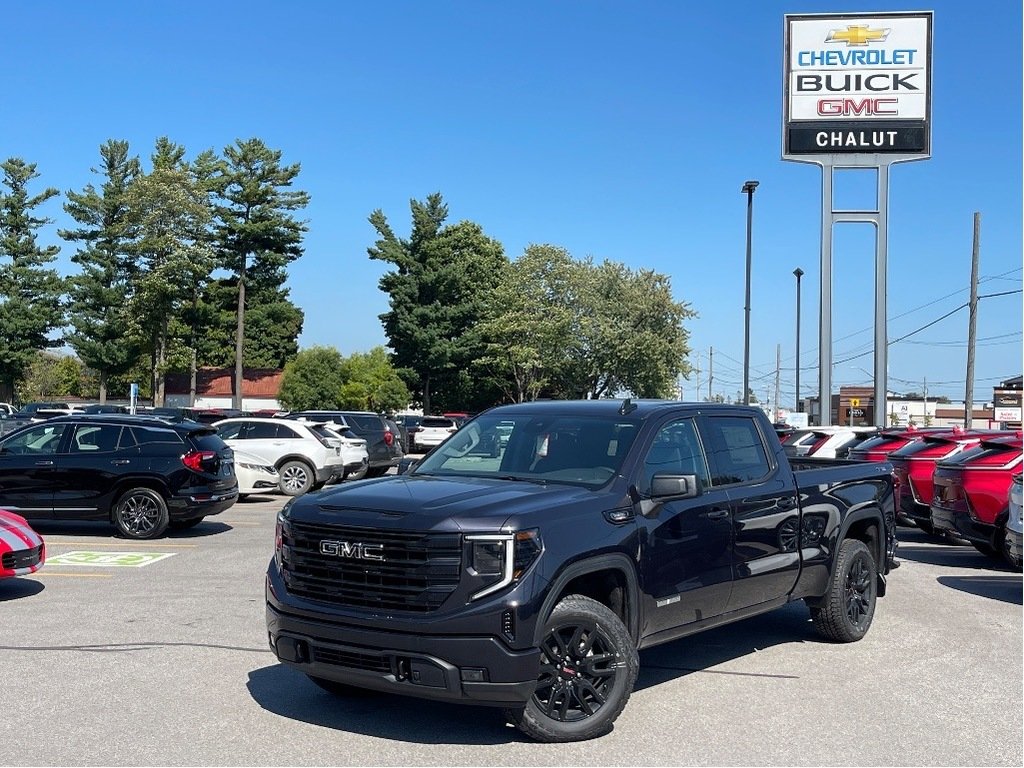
[354, 550]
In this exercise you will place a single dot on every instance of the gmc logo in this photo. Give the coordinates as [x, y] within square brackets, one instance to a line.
[354, 550]
[848, 107]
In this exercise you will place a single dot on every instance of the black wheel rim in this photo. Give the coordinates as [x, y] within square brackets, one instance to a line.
[139, 514]
[578, 670]
[858, 592]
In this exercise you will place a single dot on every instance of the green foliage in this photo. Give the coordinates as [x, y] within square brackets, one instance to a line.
[312, 380]
[30, 293]
[257, 236]
[99, 295]
[49, 376]
[438, 293]
[371, 383]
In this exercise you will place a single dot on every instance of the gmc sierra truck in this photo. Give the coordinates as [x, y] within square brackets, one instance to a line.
[526, 560]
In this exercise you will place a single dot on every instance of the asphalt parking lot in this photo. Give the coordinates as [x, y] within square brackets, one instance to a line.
[164, 661]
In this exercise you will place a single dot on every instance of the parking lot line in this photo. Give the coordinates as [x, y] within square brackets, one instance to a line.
[121, 544]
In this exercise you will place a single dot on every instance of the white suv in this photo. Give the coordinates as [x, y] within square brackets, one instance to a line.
[354, 456]
[433, 431]
[305, 454]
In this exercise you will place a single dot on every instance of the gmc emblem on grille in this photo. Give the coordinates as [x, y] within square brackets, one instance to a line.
[353, 549]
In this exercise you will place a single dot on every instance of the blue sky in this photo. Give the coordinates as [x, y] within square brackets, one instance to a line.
[616, 130]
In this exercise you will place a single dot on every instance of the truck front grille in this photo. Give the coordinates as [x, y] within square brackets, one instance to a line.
[417, 573]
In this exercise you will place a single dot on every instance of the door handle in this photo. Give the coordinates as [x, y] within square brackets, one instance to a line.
[716, 514]
[44, 463]
[117, 462]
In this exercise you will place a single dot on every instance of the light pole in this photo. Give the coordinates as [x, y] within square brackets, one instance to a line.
[799, 273]
[748, 188]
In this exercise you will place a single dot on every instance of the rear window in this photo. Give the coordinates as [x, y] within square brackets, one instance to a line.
[321, 431]
[149, 435]
[207, 440]
[367, 422]
[433, 421]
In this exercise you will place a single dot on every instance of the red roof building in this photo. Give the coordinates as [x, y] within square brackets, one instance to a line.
[215, 388]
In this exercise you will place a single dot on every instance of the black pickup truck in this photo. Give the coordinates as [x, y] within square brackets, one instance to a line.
[526, 559]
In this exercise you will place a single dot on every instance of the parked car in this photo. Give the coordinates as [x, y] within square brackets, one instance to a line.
[7, 408]
[255, 475]
[11, 422]
[408, 423]
[433, 431]
[354, 457]
[530, 580]
[913, 466]
[103, 408]
[383, 450]
[832, 442]
[22, 550]
[141, 474]
[972, 491]
[305, 454]
[878, 447]
[1014, 550]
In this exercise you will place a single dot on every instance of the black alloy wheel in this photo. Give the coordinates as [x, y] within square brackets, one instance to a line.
[141, 513]
[588, 666]
[845, 612]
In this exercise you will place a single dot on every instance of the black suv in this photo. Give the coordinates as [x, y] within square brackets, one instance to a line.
[382, 447]
[140, 473]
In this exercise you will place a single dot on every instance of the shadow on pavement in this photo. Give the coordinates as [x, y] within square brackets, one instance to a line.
[951, 556]
[16, 588]
[1005, 588]
[102, 529]
[288, 693]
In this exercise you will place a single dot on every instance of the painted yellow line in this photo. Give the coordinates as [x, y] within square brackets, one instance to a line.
[126, 544]
[74, 575]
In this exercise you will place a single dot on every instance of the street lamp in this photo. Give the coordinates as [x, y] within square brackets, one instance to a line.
[799, 273]
[748, 188]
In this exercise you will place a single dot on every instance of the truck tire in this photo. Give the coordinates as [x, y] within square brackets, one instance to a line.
[846, 611]
[589, 664]
[141, 513]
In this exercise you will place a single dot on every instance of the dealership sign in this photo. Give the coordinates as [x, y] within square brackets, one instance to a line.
[858, 84]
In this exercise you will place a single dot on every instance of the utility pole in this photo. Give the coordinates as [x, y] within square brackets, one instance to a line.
[972, 323]
[927, 422]
[778, 364]
[711, 369]
[696, 384]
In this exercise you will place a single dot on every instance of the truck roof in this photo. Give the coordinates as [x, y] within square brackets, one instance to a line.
[640, 408]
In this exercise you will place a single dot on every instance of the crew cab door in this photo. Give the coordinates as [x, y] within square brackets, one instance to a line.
[763, 505]
[686, 557]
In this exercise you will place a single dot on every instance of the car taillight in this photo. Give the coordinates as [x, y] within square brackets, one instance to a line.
[389, 438]
[194, 459]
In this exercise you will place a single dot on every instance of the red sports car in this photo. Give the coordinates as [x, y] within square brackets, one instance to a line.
[22, 550]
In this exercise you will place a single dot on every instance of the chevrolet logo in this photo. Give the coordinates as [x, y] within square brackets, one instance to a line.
[856, 34]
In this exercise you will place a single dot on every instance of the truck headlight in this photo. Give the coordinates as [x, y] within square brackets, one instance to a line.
[503, 557]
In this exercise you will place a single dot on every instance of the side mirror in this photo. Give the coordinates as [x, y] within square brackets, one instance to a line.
[674, 486]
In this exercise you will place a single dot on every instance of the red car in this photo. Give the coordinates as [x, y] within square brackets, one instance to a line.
[972, 492]
[22, 550]
[887, 441]
[913, 465]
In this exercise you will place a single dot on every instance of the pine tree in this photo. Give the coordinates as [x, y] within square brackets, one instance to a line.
[99, 295]
[30, 293]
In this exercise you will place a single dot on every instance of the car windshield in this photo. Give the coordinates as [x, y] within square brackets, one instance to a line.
[540, 448]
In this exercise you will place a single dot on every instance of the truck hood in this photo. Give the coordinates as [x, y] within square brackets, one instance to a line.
[422, 503]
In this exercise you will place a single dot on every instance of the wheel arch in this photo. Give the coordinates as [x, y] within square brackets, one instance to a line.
[125, 484]
[295, 457]
[609, 579]
[865, 525]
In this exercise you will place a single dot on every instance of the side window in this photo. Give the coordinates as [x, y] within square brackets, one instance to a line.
[258, 430]
[676, 451]
[43, 439]
[738, 450]
[95, 438]
[230, 431]
[284, 431]
[155, 435]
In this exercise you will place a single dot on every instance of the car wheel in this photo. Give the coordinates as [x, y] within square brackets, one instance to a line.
[184, 525]
[141, 513]
[296, 478]
[359, 474]
[317, 486]
[846, 611]
[588, 666]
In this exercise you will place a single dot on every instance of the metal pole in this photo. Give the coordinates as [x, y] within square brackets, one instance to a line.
[825, 311]
[799, 273]
[972, 324]
[881, 298]
[749, 188]
[711, 369]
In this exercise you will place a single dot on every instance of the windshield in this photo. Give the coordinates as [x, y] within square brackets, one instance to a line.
[540, 448]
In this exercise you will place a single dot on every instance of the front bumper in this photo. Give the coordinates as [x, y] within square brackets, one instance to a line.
[1015, 547]
[467, 669]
